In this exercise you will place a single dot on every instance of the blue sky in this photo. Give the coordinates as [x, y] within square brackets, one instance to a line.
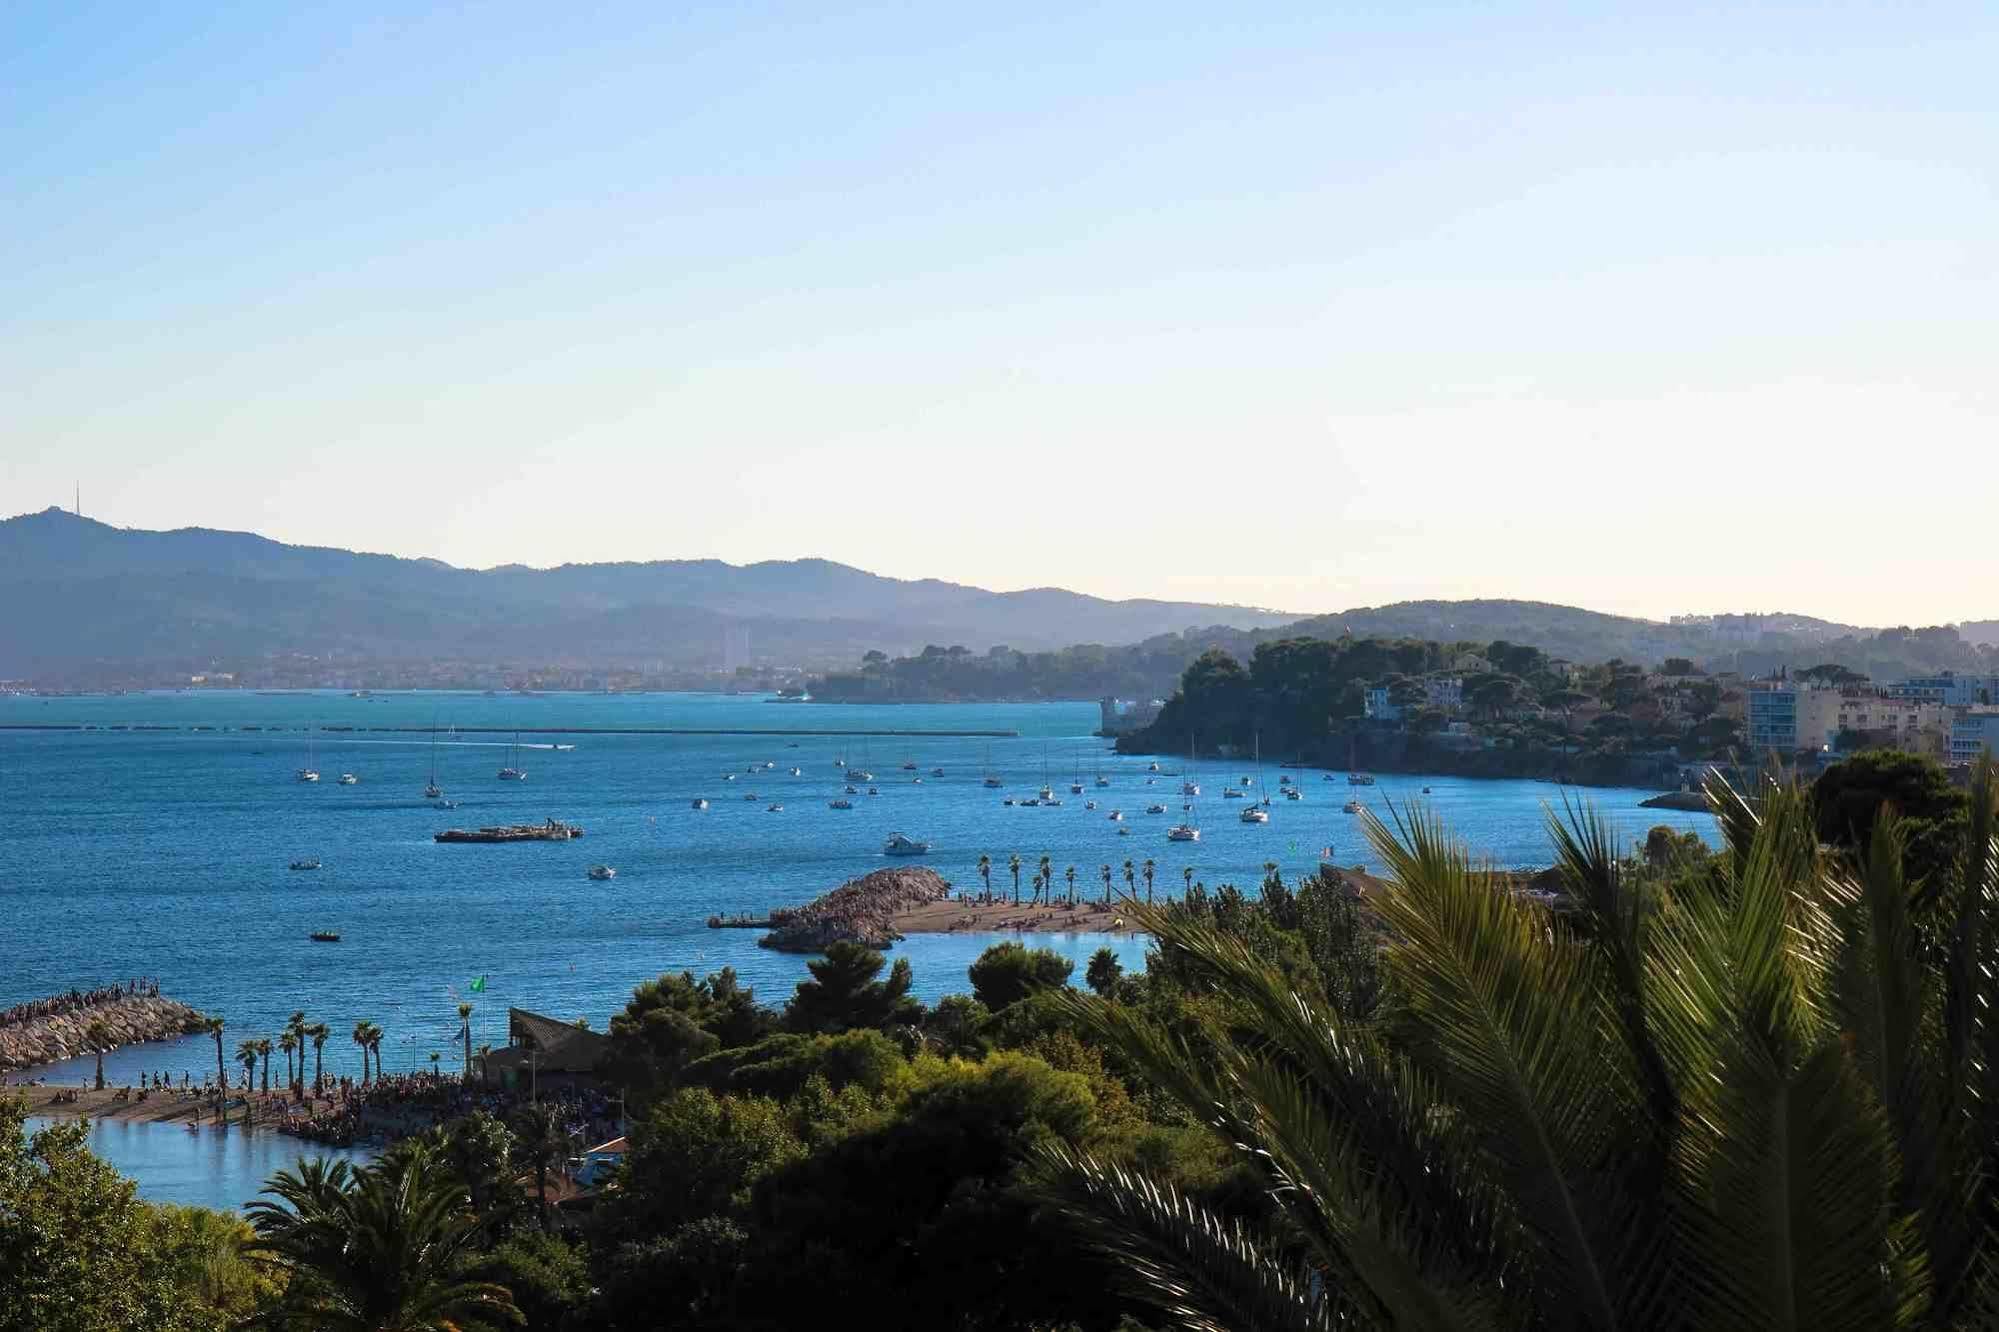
[1647, 310]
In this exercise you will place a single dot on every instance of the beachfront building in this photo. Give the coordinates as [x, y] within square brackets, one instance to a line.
[1773, 716]
[1974, 734]
[540, 1047]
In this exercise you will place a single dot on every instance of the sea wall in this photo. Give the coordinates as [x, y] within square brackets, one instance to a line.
[50, 1038]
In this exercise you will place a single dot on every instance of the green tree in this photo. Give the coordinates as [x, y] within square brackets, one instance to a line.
[674, 1020]
[289, 1043]
[318, 1033]
[694, 1154]
[1733, 1099]
[843, 993]
[986, 875]
[1008, 972]
[264, 1052]
[1149, 867]
[361, 1038]
[539, 1141]
[1103, 972]
[213, 1023]
[246, 1055]
[1070, 875]
[547, 1276]
[465, 1031]
[1934, 815]
[380, 1249]
[1013, 863]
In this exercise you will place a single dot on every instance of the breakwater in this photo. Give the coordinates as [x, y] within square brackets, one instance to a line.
[860, 911]
[50, 1037]
[765, 731]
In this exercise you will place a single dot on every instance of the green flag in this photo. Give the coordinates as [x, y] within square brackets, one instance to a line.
[479, 985]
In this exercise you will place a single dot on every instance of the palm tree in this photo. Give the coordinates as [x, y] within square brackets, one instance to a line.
[246, 1055]
[465, 1028]
[98, 1037]
[1048, 879]
[1187, 880]
[361, 1039]
[213, 1023]
[1149, 867]
[1070, 875]
[1107, 884]
[318, 1032]
[483, 1051]
[375, 1035]
[379, 1249]
[433, 1065]
[1748, 1095]
[295, 1025]
[264, 1049]
[539, 1141]
[1013, 863]
[986, 874]
[1130, 880]
[288, 1043]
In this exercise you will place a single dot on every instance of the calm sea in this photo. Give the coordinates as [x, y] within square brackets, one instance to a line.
[164, 853]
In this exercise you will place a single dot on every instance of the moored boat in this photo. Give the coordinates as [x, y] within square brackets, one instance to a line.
[898, 845]
[602, 872]
[325, 936]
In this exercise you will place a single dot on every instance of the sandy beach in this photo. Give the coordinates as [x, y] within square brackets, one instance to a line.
[159, 1107]
[949, 916]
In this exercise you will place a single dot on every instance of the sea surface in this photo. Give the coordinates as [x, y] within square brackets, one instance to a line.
[222, 1169]
[163, 853]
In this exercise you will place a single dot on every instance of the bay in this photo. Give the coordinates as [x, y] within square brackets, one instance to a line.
[163, 853]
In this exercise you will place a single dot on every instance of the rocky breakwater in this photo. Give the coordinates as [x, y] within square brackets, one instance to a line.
[861, 911]
[50, 1037]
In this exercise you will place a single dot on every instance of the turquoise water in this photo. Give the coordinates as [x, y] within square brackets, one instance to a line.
[164, 853]
[206, 1168]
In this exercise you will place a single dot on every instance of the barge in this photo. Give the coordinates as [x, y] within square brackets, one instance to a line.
[549, 830]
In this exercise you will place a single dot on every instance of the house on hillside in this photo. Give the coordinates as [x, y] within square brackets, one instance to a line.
[542, 1047]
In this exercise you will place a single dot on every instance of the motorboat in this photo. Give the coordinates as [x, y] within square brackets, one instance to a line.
[1116, 816]
[1284, 780]
[1190, 787]
[1254, 814]
[323, 936]
[1351, 807]
[1102, 781]
[349, 779]
[916, 781]
[898, 845]
[444, 804]
[774, 808]
[751, 796]
[308, 774]
[1359, 779]
[1123, 831]
[1024, 803]
[909, 766]
[1152, 767]
[859, 775]
[729, 777]
[1155, 809]
[1231, 793]
[1089, 804]
[770, 765]
[798, 772]
[1052, 800]
[308, 863]
[1426, 790]
[874, 790]
[936, 772]
[602, 872]
[851, 790]
[697, 803]
[1183, 832]
[840, 803]
[1293, 793]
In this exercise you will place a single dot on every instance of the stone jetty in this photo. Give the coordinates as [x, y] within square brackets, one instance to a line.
[860, 911]
[51, 1037]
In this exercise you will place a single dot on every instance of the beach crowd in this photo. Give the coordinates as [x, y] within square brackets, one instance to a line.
[400, 1105]
[75, 1000]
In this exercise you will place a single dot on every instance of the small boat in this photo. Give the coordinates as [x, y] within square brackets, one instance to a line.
[1116, 816]
[1075, 788]
[798, 772]
[874, 790]
[349, 779]
[754, 767]
[602, 872]
[751, 795]
[774, 809]
[851, 790]
[728, 776]
[444, 804]
[1155, 809]
[1284, 780]
[433, 792]
[1047, 793]
[1024, 803]
[770, 765]
[993, 782]
[1123, 831]
[309, 863]
[1103, 782]
[1152, 767]
[1293, 793]
[1359, 779]
[936, 772]
[1007, 801]
[898, 845]
[1254, 814]
[1231, 793]
[909, 766]
[308, 774]
[1426, 790]
[697, 803]
[916, 781]
[1052, 800]
[841, 803]
[325, 936]
[1089, 804]
[1351, 807]
[1183, 832]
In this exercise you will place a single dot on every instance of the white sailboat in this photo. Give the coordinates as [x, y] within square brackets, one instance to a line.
[513, 772]
[433, 791]
[1257, 813]
[308, 773]
[992, 779]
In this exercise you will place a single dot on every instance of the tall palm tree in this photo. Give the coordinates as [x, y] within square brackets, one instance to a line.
[1048, 879]
[1130, 881]
[295, 1025]
[1187, 881]
[318, 1033]
[288, 1043]
[1013, 863]
[986, 874]
[98, 1037]
[264, 1049]
[465, 1029]
[1752, 1095]
[379, 1249]
[1149, 868]
[433, 1065]
[246, 1055]
[483, 1051]
[375, 1035]
[212, 1022]
[361, 1039]
[1107, 884]
[1070, 875]
[538, 1140]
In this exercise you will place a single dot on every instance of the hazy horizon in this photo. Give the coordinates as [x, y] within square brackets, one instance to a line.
[1651, 313]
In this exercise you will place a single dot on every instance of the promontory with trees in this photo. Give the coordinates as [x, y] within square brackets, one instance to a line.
[1666, 1088]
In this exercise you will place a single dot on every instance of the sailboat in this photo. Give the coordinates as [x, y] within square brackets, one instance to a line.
[1102, 781]
[1257, 813]
[992, 781]
[1190, 787]
[433, 791]
[1355, 777]
[1076, 784]
[308, 773]
[513, 771]
[1047, 792]
[862, 773]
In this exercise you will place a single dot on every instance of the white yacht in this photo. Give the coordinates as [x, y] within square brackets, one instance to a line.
[601, 872]
[348, 779]
[697, 803]
[898, 845]
[433, 791]
[1116, 816]
[774, 809]
[1231, 793]
[1183, 832]
[1293, 793]
[513, 772]
[1155, 809]
[308, 773]
[1254, 814]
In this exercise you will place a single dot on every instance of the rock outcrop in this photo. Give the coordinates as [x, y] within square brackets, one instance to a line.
[861, 911]
[54, 1037]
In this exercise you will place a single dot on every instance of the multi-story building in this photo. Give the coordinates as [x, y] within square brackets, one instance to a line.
[1772, 711]
[1910, 724]
[1973, 734]
[1950, 689]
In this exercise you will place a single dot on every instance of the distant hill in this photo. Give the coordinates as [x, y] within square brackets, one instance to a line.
[80, 592]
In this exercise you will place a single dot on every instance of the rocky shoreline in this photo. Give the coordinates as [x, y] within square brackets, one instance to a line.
[860, 911]
[55, 1037]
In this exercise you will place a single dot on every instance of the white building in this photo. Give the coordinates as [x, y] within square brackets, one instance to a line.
[1950, 689]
